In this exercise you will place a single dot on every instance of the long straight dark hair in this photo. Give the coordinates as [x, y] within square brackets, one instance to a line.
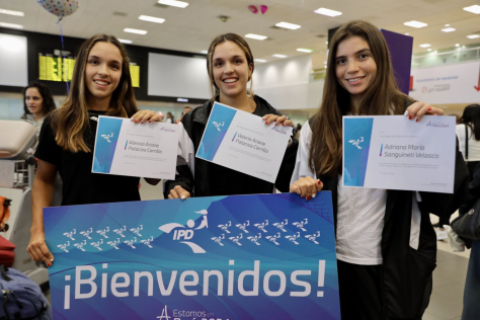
[71, 119]
[471, 118]
[381, 98]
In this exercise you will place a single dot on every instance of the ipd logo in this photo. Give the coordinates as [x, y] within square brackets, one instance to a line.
[182, 233]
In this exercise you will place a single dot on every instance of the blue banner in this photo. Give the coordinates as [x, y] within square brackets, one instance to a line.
[239, 257]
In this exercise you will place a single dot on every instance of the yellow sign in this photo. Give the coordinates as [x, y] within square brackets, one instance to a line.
[53, 68]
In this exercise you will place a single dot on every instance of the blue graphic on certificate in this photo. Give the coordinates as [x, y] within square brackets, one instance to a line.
[241, 141]
[140, 150]
[392, 152]
[239, 257]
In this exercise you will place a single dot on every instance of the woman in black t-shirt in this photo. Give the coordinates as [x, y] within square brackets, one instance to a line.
[101, 85]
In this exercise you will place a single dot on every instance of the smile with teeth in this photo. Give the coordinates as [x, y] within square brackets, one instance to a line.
[100, 82]
[230, 80]
[355, 79]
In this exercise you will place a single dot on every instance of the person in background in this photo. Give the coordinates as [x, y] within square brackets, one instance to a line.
[385, 243]
[230, 66]
[468, 132]
[37, 104]
[101, 85]
[186, 110]
[170, 118]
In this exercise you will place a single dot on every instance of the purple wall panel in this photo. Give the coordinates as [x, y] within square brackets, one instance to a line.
[400, 47]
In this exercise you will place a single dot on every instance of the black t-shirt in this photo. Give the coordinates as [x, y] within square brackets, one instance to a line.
[80, 185]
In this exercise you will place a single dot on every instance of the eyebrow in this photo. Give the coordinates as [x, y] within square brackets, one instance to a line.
[234, 57]
[358, 52]
[97, 57]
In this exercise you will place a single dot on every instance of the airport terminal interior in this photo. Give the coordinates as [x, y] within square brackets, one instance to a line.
[167, 42]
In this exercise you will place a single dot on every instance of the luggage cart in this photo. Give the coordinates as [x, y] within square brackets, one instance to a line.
[16, 138]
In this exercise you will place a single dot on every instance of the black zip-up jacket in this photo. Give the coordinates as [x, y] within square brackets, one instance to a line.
[202, 178]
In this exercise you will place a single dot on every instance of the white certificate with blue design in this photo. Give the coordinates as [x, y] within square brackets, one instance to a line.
[241, 141]
[393, 152]
[125, 148]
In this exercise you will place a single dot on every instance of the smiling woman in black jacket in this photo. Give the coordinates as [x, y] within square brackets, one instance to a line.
[230, 66]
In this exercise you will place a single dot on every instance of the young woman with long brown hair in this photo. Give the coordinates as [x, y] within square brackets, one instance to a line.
[385, 243]
[101, 85]
[230, 66]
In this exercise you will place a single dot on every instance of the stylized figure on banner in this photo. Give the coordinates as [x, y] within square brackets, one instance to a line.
[237, 239]
[301, 224]
[219, 239]
[204, 223]
[107, 137]
[87, 233]
[148, 241]
[218, 125]
[225, 227]
[313, 237]
[97, 244]
[255, 239]
[243, 226]
[137, 230]
[294, 237]
[64, 246]
[274, 238]
[281, 225]
[80, 245]
[120, 231]
[103, 232]
[187, 233]
[262, 225]
[131, 242]
[114, 244]
[70, 234]
[357, 142]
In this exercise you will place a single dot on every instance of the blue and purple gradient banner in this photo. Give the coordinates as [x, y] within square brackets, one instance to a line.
[106, 143]
[240, 257]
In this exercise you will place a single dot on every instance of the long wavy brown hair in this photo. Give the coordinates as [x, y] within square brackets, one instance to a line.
[71, 119]
[238, 40]
[381, 98]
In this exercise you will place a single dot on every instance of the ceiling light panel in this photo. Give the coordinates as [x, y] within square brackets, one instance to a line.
[260, 60]
[287, 25]
[12, 12]
[255, 36]
[448, 29]
[473, 36]
[425, 45]
[328, 12]
[151, 19]
[415, 24]
[282, 56]
[136, 31]
[125, 41]
[473, 9]
[304, 50]
[11, 25]
[174, 3]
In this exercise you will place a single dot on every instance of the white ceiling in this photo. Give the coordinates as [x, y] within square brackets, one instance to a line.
[192, 29]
